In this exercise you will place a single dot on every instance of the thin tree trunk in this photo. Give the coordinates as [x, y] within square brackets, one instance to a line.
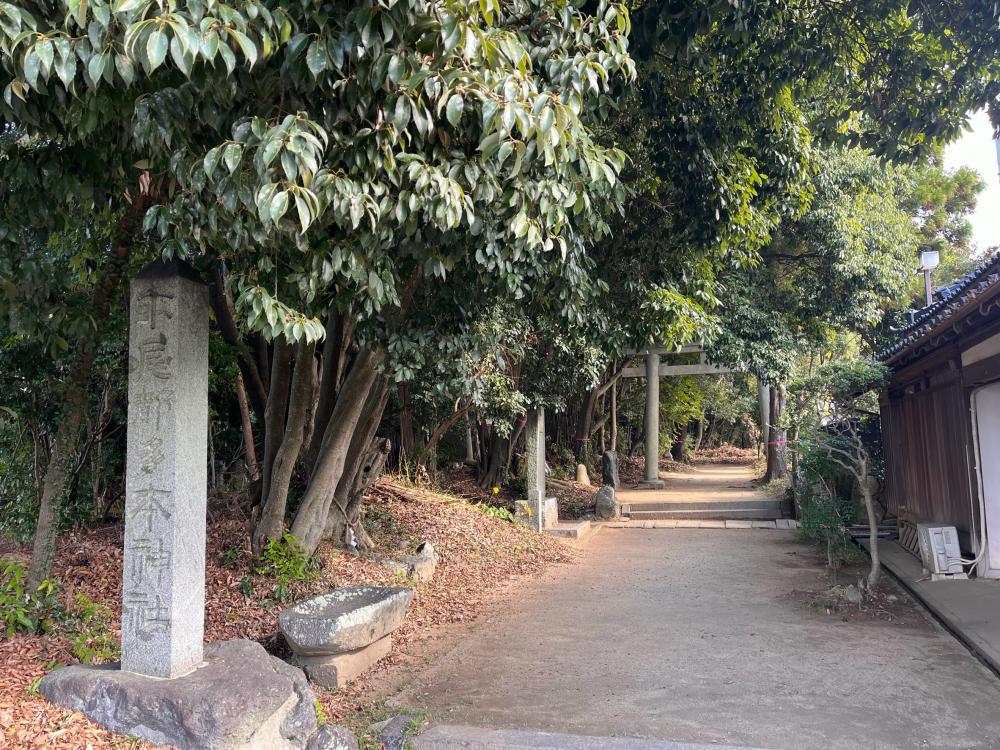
[777, 448]
[248, 441]
[439, 432]
[336, 350]
[866, 493]
[274, 414]
[614, 416]
[64, 447]
[310, 520]
[406, 439]
[272, 516]
[366, 457]
[225, 318]
[581, 446]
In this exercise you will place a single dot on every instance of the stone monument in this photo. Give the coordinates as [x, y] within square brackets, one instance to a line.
[168, 689]
[163, 604]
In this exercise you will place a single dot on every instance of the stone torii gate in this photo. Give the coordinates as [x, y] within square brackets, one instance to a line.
[653, 371]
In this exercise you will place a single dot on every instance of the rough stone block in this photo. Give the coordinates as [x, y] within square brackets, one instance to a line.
[332, 737]
[550, 512]
[335, 671]
[240, 697]
[609, 468]
[344, 620]
[392, 734]
[764, 525]
[607, 507]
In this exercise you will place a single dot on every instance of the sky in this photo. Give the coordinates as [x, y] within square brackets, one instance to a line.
[975, 149]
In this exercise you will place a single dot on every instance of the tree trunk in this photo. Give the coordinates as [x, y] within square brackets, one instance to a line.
[699, 435]
[310, 521]
[64, 447]
[248, 440]
[866, 493]
[336, 351]
[585, 421]
[225, 319]
[272, 516]
[439, 432]
[777, 443]
[345, 510]
[614, 416]
[406, 439]
[274, 414]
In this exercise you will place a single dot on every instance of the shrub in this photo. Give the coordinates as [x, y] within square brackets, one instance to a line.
[26, 611]
[91, 633]
[284, 560]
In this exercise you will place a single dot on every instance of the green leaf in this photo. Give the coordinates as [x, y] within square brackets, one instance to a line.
[401, 115]
[455, 107]
[316, 58]
[212, 161]
[232, 156]
[279, 206]
[157, 46]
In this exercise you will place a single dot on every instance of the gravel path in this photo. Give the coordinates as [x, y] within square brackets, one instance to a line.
[698, 635]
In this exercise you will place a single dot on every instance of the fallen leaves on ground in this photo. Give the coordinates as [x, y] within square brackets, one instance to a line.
[478, 554]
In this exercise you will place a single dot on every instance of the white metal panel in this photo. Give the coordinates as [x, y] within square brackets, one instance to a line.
[988, 418]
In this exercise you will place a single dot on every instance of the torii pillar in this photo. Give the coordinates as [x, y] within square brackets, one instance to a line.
[652, 478]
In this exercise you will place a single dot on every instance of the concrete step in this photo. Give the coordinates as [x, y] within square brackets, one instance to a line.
[572, 529]
[752, 514]
[767, 504]
[472, 738]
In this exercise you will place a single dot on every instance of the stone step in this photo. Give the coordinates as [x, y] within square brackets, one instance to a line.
[759, 514]
[572, 529]
[472, 738]
[744, 504]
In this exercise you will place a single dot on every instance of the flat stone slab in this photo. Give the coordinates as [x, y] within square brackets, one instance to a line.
[240, 697]
[344, 620]
[466, 738]
[739, 524]
[337, 670]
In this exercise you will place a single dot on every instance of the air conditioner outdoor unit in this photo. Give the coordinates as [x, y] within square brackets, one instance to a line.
[940, 552]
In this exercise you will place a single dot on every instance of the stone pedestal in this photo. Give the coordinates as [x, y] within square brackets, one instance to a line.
[166, 474]
[336, 670]
[652, 473]
[239, 697]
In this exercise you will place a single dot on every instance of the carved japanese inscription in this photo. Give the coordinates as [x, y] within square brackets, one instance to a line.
[166, 477]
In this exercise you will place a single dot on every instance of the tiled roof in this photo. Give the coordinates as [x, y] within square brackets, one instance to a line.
[954, 297]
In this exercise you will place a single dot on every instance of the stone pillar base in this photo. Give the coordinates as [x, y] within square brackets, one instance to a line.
[239, 697]
[652, 484]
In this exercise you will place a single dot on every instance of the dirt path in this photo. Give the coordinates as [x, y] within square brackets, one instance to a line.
[721, 482]
[709, 636]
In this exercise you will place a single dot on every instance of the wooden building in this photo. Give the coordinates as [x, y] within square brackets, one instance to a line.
[941, 416]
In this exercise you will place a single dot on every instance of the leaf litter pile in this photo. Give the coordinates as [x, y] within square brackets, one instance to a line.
[478, 555]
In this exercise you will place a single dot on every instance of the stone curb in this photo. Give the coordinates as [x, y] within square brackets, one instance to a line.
[781, 523]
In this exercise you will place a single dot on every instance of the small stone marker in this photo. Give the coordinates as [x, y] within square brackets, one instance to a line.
[163, 610]
[609, 468]
[606, 504]
[582, 477]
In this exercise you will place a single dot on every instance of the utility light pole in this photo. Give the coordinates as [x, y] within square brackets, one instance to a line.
[929, 260]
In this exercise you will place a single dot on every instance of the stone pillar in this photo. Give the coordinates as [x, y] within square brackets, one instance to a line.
[652, 477]
[163, 610]
[534, 443]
